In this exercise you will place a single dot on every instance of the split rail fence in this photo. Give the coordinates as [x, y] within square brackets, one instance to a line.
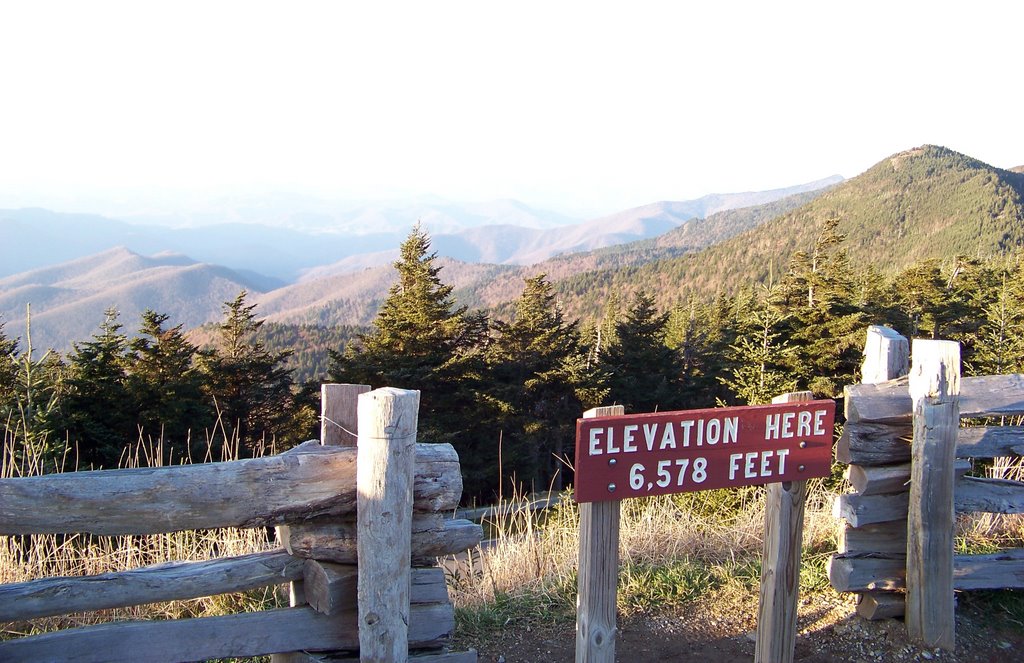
[908, 455]
[360, 534]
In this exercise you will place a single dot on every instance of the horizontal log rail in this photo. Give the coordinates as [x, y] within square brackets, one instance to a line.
[889, 402]
[861, 573]
[48, 597]
[306, 482]
[884, 444]
[971, 494]
[240, 635]
[337, 542]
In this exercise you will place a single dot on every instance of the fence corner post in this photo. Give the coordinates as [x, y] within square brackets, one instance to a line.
[384, 484]
[780, 563]
[886, 355]
[598, 572]
[935, 391]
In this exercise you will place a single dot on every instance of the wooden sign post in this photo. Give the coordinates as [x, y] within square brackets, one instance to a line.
[620, 456]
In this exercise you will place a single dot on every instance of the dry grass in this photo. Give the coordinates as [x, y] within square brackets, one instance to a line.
[24, 558]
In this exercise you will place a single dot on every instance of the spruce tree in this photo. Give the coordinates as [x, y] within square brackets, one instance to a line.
[100, 408]
[168, 385]
[823, 323]
[759, 359]
[644, 374]
[542, 382]
[422, 340]
[8, 373]
[249, 384]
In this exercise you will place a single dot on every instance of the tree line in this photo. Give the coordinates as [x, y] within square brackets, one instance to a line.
[506, 392]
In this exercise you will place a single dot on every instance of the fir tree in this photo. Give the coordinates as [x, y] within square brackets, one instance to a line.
[100, 408]
[249, 384]
[543, 382]
[823, 323]
[760, 356]
[167, 384]
[422, 340]
[644, 374]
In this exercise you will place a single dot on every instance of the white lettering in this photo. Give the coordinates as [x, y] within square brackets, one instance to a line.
[748, 465]
[782, 453]
[787, 423]
[627, 438]
[700, 433]
[595, 444]
[612, 449]
[771, 426]
[686, 425]
[765, 455]
[734, 465]
[650, 430]
[668, 438]
[714, 431]
[819, 422]
[732, 429]
[803, 429]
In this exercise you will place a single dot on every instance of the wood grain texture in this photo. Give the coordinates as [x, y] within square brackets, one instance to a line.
[935, 389]
[890, 402]
[860, 510]
[598, 572]
[780, 563]
[868, 572]
[241, 635]
[332, 588]
[339, 413]
[886, 355]
[165, 582]
[384, 480]
[883, 479]
[306, 482]
[881, 605]
[432, 536]
[882, 538]
[989, 495]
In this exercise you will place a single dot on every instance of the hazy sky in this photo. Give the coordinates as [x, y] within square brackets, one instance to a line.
[585, 106]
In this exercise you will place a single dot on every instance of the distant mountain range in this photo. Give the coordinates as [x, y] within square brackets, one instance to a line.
[70, 267]
[925, 202]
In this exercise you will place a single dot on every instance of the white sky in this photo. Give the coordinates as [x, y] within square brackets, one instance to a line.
[576, 106]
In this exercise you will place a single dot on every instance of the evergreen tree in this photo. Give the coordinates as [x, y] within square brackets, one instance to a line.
[699, 333]
[421, 340]
[644, 373]
[543, 382]
[998, 343]
[100, 408]
[249, 384]
[823, 324]
[167, 384]
[8, 373]
[759, 359]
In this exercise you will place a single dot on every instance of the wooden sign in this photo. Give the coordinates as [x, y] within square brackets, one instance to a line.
[677, 452]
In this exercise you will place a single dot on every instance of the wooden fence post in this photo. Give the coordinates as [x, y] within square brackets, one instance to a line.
[384, 482]
[886, 355]
[598, 572]
[935, 390]
[338, 422]
[338, 413]
[780, 563]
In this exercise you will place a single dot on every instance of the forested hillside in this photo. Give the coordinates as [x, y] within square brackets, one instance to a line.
[927, 242]
[924, 203]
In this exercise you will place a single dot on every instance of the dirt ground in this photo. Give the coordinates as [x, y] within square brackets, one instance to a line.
[721, 629]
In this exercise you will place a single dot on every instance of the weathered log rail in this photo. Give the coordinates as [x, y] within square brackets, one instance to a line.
[879, 445]
[329, 559]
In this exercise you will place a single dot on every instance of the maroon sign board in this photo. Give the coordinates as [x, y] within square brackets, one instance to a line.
[677, 452]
